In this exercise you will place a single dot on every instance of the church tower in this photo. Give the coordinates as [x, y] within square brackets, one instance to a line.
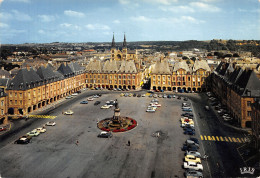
[113, 48]
[124, 49]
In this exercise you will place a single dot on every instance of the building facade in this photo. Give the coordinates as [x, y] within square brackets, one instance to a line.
[256, 123]
[31, 89]
[180, 76]
[236, 89]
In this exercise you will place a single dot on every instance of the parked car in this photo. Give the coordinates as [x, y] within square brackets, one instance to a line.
[97, 103]
[41, 130]
[194, 139]
[193, 165]
[68, 97]
[95, 96]
[84, 102]
[150, 110]
[105, 134]
[169, 96]
[2, 129]
[189, 148]
[27, 137]
[190, 142]
[69, 112]
[50, 123]
[191, 158]
[33, 133]
[90, 99]
[193, 173]
[75, 94]
[178, 97]
[139, 95]
[187, 109]
[194, 153]
[134, 95]
[143, 95]
[106, 106]
[22, 141]
[185, 99]
[189, 132]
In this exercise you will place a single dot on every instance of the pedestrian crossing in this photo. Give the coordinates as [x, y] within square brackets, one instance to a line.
[223, 139]
[42, 116]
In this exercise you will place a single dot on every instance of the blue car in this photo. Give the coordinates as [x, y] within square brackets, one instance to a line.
[84, 102]
[187, 110]
[189, 132]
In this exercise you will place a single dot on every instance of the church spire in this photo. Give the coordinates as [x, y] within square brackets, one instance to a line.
[113, 42]
[124, 43]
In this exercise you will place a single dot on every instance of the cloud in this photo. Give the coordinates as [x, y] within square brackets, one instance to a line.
[116, 21]
[140, 18]
[20, 16]
[177, 9]
[1, 1]
[5, 16]
[46, 18]
[164, 2]
[182, 19]
[41, 31]
[74, 13]
[70, 26]
[24, 1]
[205, 7]
[97, 27]
[4, 25]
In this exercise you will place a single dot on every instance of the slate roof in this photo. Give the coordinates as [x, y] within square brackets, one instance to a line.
[110, 66]
[201, 64]
[65, 70]
[47, 73]
[161, 67]
[249, 84]
[127, 67]
[235, 75]
[4, 82]
[24, 80]
[76, 69]
[181, 65]
[5, 73]
[94, 66]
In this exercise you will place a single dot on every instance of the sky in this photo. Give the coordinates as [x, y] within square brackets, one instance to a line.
[46, 21]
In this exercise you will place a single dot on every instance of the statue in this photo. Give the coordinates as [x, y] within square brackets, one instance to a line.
[116, 104]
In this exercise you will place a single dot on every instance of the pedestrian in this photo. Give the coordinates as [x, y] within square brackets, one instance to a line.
[128, 142]
[77, 142]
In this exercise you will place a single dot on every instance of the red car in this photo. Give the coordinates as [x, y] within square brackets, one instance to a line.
[2, 129]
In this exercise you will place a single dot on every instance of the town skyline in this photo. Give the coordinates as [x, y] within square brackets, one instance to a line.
[27, 21]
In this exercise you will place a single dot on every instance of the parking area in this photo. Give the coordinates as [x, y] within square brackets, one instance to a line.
[72, 148]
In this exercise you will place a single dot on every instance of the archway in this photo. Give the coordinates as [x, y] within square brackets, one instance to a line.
[39, 105]
[164, 88]
[133, 87]
[111, 86]
[154, 87]
[11, 111]
[184, 89]
[115, 86]
[20, 110]
[119, 57]
[159, 88]
[174, 88]
[124, 87]
[194, 89]
[43, 103]
[199, 89]
[29, 110]
[169, 88]
[34, 107]
[248, 124]
[129, 87]
[189, 89]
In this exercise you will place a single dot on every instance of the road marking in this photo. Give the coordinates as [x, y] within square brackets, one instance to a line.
[234, 139]
[217, 138]
[230, 139]
[43, 116]
[221, 138]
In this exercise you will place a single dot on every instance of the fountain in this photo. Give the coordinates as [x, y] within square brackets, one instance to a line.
[117, 123]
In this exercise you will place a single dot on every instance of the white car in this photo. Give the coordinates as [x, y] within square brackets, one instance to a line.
[69, 112]
[95, 96]
[41, 130]
[143, 95]
[90, 99]
[75, 94]
[150, 110]
[51, 123]
[68, 97]
[194, 153]
[192, 165]
[106, 106]
[156, 104]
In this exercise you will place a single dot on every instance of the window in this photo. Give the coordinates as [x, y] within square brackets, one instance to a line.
[178, 78]
[249, 113]
[173, 83]
[198, 83]
[154, 77]
[94, 76]
[119, 76]
[159, 77]
[133, 76]
[115, 76]
[183, 78]
[105, 76]
[184, 83]
[163, 82]
[158, 82]
[179, 83]
[128, 82]
[2, 103]
[188, 78]
[169, 78]
[154, 82]
[21, 102]
[128, 77]
[193, 83]
[90, 76]
[123, 76]
[163, 77]
[119, 81]
[11, 101]
[169, 83]
[15, 102]
[15, 94]
[111, 76]
[173, 78]
[2, 112]
[248, 103]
